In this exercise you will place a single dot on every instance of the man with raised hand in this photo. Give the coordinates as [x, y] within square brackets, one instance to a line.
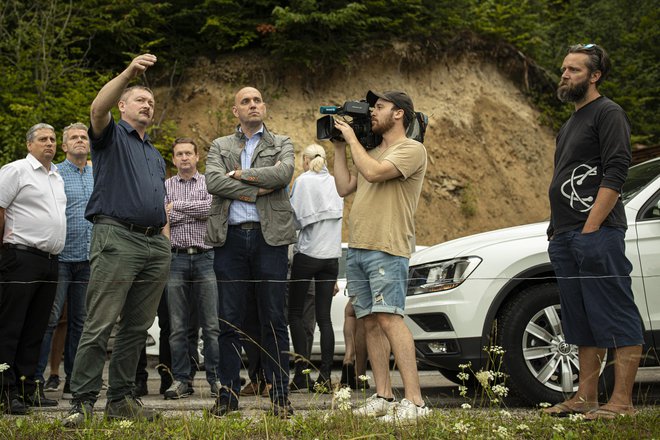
[129, 256]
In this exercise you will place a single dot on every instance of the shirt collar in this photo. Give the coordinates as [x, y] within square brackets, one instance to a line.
[259, 132]
[195, 177]
[36, 164]
[129, 129]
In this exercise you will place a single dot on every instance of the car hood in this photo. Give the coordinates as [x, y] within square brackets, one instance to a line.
[471, 244]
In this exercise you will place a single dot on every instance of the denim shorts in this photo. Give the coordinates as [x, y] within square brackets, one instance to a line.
[376, 282]
[597, 304]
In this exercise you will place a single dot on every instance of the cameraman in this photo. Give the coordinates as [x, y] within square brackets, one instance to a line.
[388, 182]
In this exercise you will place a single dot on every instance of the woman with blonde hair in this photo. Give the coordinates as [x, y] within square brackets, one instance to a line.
[318, 215]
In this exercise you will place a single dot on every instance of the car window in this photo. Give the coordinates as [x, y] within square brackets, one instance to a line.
[652, 212]
[638, 177]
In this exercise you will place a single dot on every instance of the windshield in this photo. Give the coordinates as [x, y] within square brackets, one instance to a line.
[638, 177]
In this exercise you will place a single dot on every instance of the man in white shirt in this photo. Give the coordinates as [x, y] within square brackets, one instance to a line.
[33, 225]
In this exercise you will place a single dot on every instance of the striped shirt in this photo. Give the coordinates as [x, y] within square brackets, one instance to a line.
[190, 209]
[78, 187]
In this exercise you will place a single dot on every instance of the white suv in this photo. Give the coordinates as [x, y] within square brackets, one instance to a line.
[498, 288]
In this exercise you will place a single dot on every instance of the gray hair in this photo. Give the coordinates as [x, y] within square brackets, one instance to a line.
[74, 126]
[40, 126]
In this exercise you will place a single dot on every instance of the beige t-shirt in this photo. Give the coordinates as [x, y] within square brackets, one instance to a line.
[382, 215]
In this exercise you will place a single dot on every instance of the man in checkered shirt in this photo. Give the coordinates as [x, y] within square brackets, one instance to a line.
[192, 279]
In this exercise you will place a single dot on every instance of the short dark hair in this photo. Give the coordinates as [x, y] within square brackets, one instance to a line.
[130, 90]
[598, 59]
[184, 140]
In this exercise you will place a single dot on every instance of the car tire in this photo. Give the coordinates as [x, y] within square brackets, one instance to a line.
[541, 366]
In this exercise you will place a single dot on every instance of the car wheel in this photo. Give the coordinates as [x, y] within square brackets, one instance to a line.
[541, 366]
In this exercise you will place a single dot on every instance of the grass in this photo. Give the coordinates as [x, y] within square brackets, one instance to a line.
[327, 424]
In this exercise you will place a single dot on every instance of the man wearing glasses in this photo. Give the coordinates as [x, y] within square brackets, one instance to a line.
[586, 233]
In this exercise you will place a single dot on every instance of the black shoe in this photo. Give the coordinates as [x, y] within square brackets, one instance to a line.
[348, 376]
[38, 398]
[52, 383]
[15, 406]
[300, 383]
[140, 388]
[165, 383]
[66, 392]
[282, 410]
[222, 406]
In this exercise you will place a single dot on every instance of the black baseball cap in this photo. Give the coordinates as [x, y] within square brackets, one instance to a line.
[397, 97]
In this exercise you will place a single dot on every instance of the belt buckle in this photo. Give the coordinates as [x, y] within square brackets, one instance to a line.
[191, 250]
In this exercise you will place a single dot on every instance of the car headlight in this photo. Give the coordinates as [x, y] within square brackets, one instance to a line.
[441, 275]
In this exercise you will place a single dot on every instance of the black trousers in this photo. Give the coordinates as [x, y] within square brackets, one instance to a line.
[324, 272]
[27, 290]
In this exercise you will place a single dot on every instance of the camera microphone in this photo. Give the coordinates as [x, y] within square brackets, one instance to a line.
[329, 109]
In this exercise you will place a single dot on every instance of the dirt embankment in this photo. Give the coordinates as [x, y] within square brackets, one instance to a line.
[490, 159]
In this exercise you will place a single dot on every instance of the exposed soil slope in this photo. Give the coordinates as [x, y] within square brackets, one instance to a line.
[490, 159]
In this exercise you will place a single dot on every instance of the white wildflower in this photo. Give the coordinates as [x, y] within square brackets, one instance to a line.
[462, 376]
[495, 400]
[505, 413]
[545, 405]
[363, 377]
[462, 390]
[522, 427]
[465, 366]
[461, 428]
[466, 406]
[501, 432]
[500, 390]
[342, 396]
[306, 371]
[125, 424]
[483, 377]
[575, 417]
[496, 349]
[4, 367]
[558, 428]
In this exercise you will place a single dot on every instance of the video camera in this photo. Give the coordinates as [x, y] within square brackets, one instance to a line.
[360, 115]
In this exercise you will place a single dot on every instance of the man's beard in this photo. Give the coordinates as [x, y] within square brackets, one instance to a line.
[383, 127]
[575, 93]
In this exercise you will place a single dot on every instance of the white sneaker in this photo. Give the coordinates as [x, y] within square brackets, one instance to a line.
[374, 406]
[406, 412]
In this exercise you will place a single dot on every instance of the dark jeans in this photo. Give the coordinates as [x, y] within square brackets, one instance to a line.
[246, 261]
[71, 289]
[25, 307]
[192, 282]
[324, 272]
[128, 273]
[251, 340]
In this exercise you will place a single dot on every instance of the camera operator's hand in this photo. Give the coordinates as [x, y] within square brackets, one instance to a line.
[347, 132]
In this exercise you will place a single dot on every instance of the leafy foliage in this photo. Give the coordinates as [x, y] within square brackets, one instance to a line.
[56, 54]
